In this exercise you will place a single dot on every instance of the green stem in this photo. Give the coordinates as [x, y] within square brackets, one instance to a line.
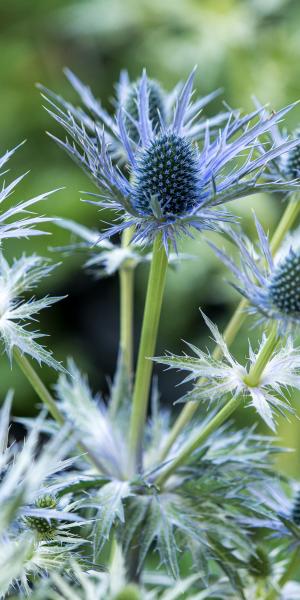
[155, 291]
[38, 385]
[234, 325]
[286, 222]
[254, 376]
[186, 452]
[126, 276]
[292, 569]
[255, 373]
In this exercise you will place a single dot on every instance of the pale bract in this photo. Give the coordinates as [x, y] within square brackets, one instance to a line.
[16, 313]
[104, 257]
[227, 376]
[18, 221]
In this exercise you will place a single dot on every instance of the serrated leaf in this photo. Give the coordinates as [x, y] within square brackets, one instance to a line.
[110, 499]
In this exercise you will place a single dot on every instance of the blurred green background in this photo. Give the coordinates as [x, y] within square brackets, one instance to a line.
[248, 47]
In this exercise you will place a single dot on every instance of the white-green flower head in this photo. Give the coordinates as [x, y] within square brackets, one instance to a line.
[16, 313]
[271, 285]
[227, 376]
[45, 528]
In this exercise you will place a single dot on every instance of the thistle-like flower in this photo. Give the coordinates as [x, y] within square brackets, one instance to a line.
[271, 285]
[227, 376]
[286, 166]
[174, 186]
[16, 313]
[291, 160]
[11, 223]
[161, 105]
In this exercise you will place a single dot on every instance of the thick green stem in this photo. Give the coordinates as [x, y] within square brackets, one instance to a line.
[126, 276]
[254, 377]
[235, 323]
[155, 291]
[292, 569]
[38, 385]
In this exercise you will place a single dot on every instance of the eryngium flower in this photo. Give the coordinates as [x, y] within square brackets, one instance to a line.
[16, 313]
[292, 160]
[161, 105]
[227, 376]
[286, 166]
[174, 186]
[11, 223]
[271, 285]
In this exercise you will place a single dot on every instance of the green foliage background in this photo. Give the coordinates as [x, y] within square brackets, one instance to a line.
[245, 46]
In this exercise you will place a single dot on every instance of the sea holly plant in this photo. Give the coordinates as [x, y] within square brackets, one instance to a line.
[113, 497]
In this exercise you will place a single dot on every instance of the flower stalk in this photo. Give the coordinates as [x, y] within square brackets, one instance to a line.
[155, 291]
[227, 410]
[126, 276]
[287, 221]
[38, 386]
[257, 369]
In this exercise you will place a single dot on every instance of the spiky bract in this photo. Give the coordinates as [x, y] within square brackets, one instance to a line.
[13, 223]
[16, 313]
[157, 109]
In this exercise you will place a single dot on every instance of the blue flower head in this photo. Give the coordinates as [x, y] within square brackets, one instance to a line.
[174, 185]
[296, 509]
[287, 165]
[271, 285]
[292, 159]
